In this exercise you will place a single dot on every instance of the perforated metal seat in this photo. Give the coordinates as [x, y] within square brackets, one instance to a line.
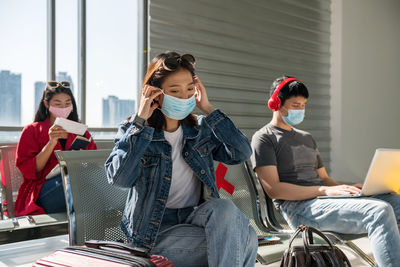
[246, 199]
[28, 227]
[97, 206]
[243, 195]
[12, 176]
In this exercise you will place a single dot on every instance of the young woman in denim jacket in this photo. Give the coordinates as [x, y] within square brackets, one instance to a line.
[165, 156]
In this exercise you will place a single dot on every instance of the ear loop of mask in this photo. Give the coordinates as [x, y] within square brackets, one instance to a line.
[195, 91]
[159, 106]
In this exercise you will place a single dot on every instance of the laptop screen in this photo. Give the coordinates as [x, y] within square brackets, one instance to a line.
[384, 173]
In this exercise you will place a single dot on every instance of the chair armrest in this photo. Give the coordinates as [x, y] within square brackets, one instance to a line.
[49, 218]
[6, 225]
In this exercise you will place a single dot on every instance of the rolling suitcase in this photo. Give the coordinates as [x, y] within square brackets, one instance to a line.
[102, 253]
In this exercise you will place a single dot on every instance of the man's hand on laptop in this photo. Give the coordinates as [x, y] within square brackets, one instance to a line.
[358, 185]
[340, 190]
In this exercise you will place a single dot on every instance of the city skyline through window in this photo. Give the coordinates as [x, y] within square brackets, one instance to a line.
[22, 55]
[111, 56]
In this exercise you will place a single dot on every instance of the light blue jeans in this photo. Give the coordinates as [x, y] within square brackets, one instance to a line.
[378, 216]
[214, 234]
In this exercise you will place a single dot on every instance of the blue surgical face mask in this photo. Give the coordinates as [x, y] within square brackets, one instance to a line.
[177, 108]
[294, 117]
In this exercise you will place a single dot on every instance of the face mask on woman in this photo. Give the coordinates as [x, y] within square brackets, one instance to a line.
[177, 108]
[60, 112]
[294, 117]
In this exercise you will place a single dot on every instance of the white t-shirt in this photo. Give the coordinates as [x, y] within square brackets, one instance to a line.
[185, 186]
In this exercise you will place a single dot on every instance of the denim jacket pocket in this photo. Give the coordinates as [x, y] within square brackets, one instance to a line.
[205, 147]
[150, 163]
[149, 160]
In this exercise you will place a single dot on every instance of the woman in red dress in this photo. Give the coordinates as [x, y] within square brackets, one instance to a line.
[35, 157]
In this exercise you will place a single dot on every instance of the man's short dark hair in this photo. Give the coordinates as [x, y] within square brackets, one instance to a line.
[294, 88]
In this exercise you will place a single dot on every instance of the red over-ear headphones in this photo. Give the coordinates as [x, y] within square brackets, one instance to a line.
[274, 102]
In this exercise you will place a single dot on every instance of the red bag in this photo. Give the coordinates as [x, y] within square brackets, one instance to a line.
[103, 253]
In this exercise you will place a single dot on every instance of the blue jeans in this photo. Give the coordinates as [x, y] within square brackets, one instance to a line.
[216, 233]
[378, 216]
[51, 197]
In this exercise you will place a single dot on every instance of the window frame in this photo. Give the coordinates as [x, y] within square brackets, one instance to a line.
[51, 56]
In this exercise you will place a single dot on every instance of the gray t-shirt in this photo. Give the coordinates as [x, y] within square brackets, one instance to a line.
[294, 153]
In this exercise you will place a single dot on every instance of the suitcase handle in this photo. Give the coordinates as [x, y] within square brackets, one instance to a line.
[117, 245]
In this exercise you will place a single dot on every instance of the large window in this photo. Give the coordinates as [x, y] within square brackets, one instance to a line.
[42, 40]
[111, 61]
[66, 43]
[22, 61]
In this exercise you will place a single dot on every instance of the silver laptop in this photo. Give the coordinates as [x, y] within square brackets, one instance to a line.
[383, 175]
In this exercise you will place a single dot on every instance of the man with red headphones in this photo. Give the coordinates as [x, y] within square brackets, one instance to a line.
[292, 173]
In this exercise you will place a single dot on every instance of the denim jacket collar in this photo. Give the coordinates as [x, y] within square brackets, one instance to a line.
[189, 132]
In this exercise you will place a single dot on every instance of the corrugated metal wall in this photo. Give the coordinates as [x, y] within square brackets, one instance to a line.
[241, 46]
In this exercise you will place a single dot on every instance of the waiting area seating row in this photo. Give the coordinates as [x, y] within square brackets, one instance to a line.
[98, 206]
[12, 228]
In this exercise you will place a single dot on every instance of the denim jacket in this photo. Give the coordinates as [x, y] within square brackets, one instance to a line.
[141, 161]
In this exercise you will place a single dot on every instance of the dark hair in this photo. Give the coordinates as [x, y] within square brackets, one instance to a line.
[161, 67]
[42, 112]
[294, 88]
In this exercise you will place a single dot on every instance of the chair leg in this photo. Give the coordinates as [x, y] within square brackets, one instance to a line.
[361, 253]
[353, 247]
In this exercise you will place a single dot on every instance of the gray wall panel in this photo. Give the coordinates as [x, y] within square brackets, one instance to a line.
[241, 46]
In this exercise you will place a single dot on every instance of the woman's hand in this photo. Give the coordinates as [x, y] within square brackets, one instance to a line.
[147, 95]
[56, 132]
[201, 97]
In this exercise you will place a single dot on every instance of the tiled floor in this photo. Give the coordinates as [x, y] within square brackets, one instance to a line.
[23, 254]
